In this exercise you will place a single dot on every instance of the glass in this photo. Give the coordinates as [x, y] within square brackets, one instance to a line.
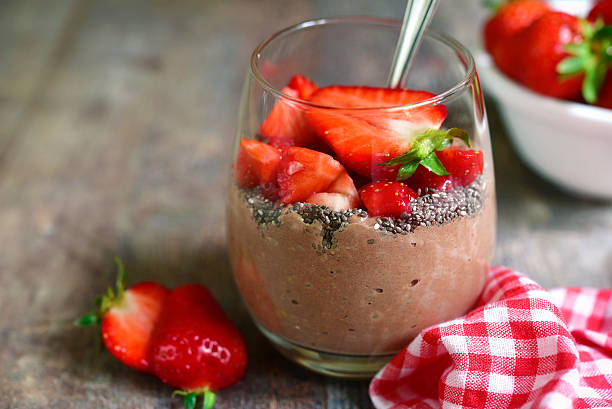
[341, 292]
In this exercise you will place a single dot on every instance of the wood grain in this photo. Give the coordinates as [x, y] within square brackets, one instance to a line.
[115, 123]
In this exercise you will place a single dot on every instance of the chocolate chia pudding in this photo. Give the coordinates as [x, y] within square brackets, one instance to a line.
[348, 283]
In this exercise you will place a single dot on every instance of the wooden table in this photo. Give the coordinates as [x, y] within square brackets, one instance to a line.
[115, 122]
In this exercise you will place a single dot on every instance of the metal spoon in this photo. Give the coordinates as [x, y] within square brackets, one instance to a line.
[416, 19]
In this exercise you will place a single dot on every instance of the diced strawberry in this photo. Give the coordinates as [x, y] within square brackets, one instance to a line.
[363, 138]
[269, 190]
[256, 163]
[286, 124]
[335, 201]
[304, 86]
[344, 185]
[303, 171]
[262, 158]
[464, 165]
[386, 198]
[243, 171]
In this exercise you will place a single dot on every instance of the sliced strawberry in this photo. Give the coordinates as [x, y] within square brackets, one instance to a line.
[286, 124]
[464, 165]
[128, 318]
[385, 198]
[335, 201]
[302, 172]
[262, 158]
[304, 86]
[362, 138]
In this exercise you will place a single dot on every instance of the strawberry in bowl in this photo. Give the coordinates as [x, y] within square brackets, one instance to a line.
[552, 80]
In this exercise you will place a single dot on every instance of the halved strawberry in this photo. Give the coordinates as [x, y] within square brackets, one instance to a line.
[386, 198]
[363, 138]
[128, 318]
[286, 124]
[303, 171]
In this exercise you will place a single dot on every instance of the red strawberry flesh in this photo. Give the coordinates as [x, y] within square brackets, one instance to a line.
[286, 124]
[363, 138]
[303, 171]
[385, 198]
[127, 326]
[262, 159]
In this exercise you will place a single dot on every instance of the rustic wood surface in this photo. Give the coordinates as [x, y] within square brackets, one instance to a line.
[115, 122]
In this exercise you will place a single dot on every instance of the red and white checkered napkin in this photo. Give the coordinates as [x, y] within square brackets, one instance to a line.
[522, 347]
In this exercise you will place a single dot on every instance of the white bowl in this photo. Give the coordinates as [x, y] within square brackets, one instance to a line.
[568, 143]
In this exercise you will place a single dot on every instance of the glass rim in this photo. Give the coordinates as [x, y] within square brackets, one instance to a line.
[462, 52]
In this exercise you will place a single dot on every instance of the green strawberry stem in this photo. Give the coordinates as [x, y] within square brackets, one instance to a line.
[423, 152]
[592, 57]
[107, 300]
[493, 5]
[190, 399]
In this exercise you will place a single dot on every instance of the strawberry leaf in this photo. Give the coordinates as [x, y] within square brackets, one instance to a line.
[591, 57]
[209, 399]
[422, 152]
[460, 134]
[88, 320]
[190, 400]
[569, 66]
[407, 170]
[433, 164]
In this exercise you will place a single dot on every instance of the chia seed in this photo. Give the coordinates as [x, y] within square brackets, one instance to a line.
[433, 208]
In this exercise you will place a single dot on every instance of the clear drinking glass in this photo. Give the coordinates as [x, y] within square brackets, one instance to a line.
[341, 292]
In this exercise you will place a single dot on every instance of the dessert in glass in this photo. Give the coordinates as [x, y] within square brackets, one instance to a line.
[358, 215]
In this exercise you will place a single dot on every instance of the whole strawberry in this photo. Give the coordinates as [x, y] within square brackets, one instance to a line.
[510, 18]
[601, 10]
[128, 318]
[543, 48]
[195, 347]
[605, 94]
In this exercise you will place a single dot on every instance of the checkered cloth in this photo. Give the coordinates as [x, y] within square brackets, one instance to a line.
[522, 347]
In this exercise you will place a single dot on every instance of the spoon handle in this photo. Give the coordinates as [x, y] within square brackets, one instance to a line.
[416, 19]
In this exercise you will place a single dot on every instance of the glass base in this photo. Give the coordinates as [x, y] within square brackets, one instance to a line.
[328, 363]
